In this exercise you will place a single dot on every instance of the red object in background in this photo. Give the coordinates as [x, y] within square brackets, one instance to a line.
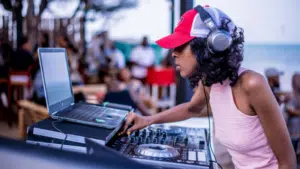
[160, 76]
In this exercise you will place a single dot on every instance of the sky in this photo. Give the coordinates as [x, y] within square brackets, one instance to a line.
[149, 18]
[264, 21]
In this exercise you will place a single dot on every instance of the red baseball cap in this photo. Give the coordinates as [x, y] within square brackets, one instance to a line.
[191, 26]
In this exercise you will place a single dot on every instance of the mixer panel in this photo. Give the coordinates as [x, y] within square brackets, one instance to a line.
[166, 146]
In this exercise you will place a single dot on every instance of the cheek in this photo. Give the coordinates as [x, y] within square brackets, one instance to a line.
[190, 64]
[191, 68]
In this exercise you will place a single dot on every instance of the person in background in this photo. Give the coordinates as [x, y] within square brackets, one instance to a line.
[73, 58]
[98, 40]
[273, 77]
[293, 110]
[38, 90]
[103, 58]
[99, 44]
[130, 83]
[142, 57]
[136, 86]
[23, 61]
[43, 42]
[117, 59]
[23, 58]
[119, 94]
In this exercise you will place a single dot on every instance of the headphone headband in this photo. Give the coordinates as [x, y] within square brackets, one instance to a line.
[206, 18]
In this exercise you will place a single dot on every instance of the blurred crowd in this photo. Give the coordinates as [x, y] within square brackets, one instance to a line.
[289, 102]
[103, 63]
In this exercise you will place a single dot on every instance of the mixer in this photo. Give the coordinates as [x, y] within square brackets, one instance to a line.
[166, 147]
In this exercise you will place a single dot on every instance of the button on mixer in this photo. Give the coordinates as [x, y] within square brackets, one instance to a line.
[132, 139]
[140, 140]
[148, 139]
[186, 139]
[157, 134]
[150, 132]
[201, 156]
[162, 141]
[175, 141]
[164, 135]
[192, 156]
[137, 133]
[201, 144]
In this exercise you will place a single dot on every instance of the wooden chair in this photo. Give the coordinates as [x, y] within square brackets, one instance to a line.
[29, 113]
[19, 81]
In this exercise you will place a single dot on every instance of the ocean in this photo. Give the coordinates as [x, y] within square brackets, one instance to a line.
[286, 58]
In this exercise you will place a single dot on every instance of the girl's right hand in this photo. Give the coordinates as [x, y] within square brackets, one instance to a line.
[138, 121]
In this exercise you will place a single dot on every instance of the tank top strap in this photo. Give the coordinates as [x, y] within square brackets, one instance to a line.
[218, 86]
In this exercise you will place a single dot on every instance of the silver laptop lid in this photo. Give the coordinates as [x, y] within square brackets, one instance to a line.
[56, 78]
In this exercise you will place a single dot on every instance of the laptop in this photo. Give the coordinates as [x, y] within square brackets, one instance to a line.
[59, 94]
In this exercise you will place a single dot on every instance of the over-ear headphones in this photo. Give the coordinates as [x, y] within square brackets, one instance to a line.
[217, 40]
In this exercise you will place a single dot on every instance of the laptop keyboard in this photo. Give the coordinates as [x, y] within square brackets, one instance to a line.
[84, 112]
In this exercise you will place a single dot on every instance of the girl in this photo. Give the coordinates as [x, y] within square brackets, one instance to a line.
[208, 49]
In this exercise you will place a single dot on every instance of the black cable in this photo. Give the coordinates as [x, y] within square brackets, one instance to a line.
[208, 137]
[63, 142]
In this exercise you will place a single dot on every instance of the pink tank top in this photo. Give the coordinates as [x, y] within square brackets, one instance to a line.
[241, 134]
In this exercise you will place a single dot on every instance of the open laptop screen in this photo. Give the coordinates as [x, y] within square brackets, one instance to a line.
[55, 72]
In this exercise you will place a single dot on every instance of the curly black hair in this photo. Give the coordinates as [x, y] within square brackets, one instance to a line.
[216, 67]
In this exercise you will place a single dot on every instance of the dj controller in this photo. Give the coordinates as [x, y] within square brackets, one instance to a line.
[166, 147]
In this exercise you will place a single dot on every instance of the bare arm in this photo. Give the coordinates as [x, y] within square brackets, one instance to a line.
[180, 112]
[177, 113]
[264, 104]
[193, 108]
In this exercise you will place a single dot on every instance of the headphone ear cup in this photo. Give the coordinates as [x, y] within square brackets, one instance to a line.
[219, 41]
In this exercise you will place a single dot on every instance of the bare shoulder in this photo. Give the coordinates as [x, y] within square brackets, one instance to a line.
[251, 81]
